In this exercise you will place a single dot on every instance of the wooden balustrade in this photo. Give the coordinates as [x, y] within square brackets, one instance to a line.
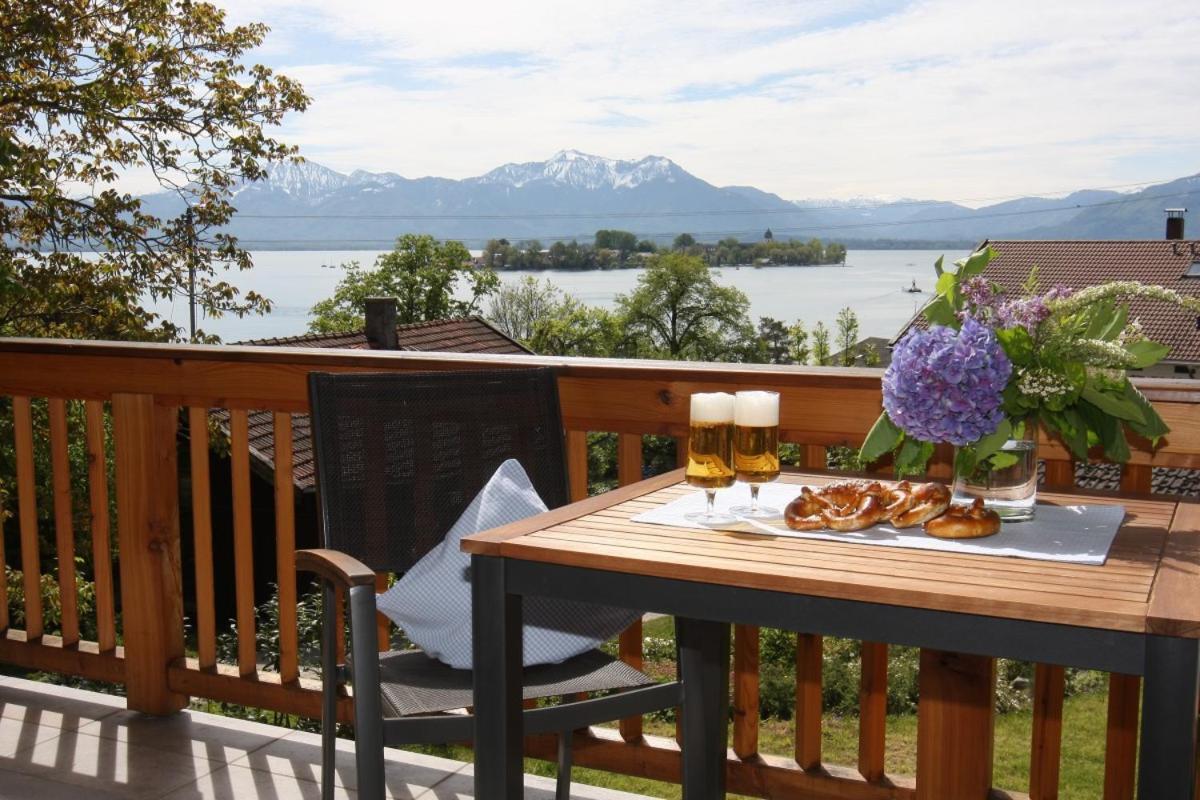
[145, 386]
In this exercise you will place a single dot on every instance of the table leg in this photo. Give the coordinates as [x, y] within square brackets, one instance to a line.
[704, 671]
[496, 642]
[1167, 759]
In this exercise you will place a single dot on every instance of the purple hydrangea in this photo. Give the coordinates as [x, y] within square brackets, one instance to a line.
[945, 385]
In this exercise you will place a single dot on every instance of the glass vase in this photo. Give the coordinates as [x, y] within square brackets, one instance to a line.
[1007, 482]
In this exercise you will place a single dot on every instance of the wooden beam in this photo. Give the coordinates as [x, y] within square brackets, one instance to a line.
[31, 562]
[148, 530]
[955, 725]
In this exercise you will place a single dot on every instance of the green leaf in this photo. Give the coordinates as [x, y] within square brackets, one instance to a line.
[883, 437]
[1109, 430]
[1000, 461]
[975, 263]
[1115, 405]
[913, 456]
[1146, 353]
[993, 441]
[1098, 317]
[937, 266]
[1072, 429]
[1116, 324]
[945, 283]
[941, 312]
[1017, 344]
[964, 461]
[1153, 428]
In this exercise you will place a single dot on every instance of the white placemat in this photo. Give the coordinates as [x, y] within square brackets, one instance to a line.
[1072, 534]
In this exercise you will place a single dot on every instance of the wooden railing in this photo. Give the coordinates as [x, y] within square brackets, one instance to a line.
[140, 390]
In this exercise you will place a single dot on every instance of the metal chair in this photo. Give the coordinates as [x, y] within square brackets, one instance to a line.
[399, 457]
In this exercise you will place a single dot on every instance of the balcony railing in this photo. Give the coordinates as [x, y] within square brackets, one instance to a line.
[140, 391]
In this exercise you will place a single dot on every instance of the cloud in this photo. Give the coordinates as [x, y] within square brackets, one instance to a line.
[940, 98]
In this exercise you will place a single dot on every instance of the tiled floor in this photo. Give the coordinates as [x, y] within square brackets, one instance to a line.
[66, 744]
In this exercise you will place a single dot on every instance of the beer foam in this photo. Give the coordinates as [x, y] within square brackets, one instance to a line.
[712, 407]
[756, 409]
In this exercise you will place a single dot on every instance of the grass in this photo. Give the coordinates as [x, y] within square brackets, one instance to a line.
[1082, 777]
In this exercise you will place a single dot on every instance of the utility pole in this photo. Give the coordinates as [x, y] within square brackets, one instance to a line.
[191, 233]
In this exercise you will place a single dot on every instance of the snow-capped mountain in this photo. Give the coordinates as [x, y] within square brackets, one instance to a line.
[573, 194]
[582, 171]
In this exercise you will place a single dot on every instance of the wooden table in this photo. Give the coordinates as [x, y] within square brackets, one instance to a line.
[1139, 614]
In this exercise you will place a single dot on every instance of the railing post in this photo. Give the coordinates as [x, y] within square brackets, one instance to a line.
[148, 532]
[955, 725]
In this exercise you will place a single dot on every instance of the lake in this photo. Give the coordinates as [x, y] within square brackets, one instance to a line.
[872, 283]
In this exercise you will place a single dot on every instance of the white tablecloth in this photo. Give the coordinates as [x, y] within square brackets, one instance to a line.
[1073, 534]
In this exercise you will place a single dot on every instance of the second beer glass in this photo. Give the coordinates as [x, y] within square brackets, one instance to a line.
[710, 452]
[756, 446]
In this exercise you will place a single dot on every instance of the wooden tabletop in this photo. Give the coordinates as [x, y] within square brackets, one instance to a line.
[1150, 582]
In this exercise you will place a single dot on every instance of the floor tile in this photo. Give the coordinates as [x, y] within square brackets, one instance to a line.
[221, 739]
[108, 765]
[242, 783]
[17, 786]
[407, 775]
[461, 786]
[57, 706]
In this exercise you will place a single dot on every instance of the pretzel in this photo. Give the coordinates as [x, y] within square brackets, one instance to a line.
[929, 500]
[965, 522]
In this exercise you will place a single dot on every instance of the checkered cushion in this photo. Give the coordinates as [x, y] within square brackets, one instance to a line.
[432, 601]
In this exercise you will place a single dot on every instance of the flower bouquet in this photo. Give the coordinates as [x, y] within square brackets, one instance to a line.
[991, 366]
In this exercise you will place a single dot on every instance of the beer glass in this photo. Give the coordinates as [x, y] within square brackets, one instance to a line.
[710, 452]
[756, 446]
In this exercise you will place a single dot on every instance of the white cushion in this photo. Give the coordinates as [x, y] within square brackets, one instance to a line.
[432, 601]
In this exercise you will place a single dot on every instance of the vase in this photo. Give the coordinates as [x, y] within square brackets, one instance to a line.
[1007, 481]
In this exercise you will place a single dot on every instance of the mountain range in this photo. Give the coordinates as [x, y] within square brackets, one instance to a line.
[573, 194]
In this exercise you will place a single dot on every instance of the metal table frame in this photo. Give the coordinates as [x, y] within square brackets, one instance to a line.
[1169, 665]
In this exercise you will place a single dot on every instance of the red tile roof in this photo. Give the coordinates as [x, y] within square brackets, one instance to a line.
[469, 335]
[1079, 264]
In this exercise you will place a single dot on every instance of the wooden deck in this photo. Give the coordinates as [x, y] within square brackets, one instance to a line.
[58, 743]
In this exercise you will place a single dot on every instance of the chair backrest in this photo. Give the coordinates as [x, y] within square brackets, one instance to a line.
[399, 456]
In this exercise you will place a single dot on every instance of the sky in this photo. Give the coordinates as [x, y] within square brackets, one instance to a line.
[948, 99]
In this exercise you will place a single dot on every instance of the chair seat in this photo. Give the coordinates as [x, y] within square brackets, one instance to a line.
[413, 683]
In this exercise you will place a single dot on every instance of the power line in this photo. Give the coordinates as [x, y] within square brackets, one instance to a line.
[807, 209]
[793, 230]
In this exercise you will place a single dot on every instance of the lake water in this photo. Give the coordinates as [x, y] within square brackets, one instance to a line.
[872, 283]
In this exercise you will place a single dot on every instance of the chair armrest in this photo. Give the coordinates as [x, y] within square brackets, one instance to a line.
[336, 567]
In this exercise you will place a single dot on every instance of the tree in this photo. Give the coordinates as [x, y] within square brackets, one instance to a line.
[422, 273]
[517, 308]
[678, 311]
[573, 328]
[847, 336]
[683, 241]
[774, 341]
[91, 90]
[768, 235]
[799, 352]
[820, 345]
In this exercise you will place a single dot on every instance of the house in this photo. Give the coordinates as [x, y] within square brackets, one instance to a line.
[1172, 263]
[468, 335]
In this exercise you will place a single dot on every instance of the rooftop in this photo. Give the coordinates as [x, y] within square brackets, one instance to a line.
[58, 743]
[468, 335]
[1079, 264]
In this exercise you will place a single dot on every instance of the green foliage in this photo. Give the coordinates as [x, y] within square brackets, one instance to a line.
[821, 354]
[1069, 366]
[678, 311]
[621, 241]
[847, 337]
[683, 241]
[99, 88]
[51, 593]
[422, 273]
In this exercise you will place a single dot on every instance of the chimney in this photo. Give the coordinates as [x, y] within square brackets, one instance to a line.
[381, 323]
[1175, 222]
